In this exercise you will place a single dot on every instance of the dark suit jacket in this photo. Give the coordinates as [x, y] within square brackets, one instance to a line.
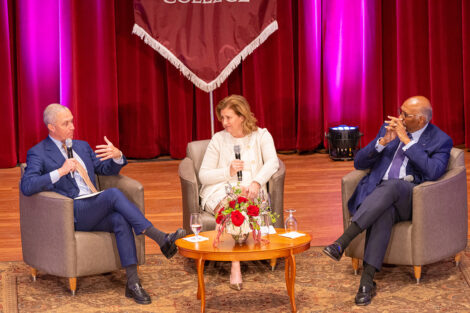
[46, 157]
[427, 160]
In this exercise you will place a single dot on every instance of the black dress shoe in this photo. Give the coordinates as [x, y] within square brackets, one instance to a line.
[169, 249]
[334, 251]
[138, 293]
[365, 294]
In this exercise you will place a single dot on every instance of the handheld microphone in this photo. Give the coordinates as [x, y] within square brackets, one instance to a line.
[236, 149]
[68, 144]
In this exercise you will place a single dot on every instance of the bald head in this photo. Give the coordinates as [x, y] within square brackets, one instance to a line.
[420, 105]
[416, 112]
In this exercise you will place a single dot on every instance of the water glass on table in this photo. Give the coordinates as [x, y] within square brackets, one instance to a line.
[265, 222]
[196, 224]
[290, 223]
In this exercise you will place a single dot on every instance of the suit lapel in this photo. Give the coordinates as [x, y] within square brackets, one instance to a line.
[53, 152]
[426, 135]
[393, 146]
[423, 140]
[56, 156]
[387, 158]
[84, 155]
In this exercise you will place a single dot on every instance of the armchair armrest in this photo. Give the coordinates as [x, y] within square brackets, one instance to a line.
[276, 191]
[440, 216]
[131, 188]
[189, 190]
[348, 185]
[47, 232]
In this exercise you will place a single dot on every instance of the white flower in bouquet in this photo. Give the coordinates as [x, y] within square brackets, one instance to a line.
[244, 228]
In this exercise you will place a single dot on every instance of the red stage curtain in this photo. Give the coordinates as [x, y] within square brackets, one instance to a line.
[351, 67]
[88, 68]
[330, 62]
[466, 67]
[423, 54]
[308, 76]
[8, 153]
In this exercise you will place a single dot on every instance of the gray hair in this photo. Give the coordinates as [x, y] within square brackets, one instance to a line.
[427, 113]
[50, 112]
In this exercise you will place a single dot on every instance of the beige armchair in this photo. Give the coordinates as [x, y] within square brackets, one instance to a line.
[188, 172]
[439, 225]
[51, 244]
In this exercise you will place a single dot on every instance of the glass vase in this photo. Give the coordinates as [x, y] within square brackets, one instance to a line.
[240, 239]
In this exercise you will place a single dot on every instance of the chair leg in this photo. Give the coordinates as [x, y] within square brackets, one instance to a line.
[73, 285]
[458, 257]
[273, 264]
[355, 265]
[417, 269]
[34, 273]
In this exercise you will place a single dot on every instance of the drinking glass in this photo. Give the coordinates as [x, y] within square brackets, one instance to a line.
[265, 221]
[290, 224]
[196, 224]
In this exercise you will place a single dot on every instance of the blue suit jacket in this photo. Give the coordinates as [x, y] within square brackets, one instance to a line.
[46, 157]
[427, 160]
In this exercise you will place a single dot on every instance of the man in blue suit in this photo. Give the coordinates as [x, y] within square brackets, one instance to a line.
[50, 167]
[407, 151]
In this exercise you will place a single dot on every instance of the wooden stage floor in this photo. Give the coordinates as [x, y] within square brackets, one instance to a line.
[312, 187]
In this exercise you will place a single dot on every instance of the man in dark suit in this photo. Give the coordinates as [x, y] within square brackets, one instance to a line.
[50, 169]
[407, 151]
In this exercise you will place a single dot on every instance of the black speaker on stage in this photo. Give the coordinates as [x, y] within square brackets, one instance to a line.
[343, 142]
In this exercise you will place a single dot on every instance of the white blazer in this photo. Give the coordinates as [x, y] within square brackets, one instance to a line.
[260, 163]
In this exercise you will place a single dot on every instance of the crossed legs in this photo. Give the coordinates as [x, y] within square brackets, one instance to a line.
[111, 211]
[389, 203]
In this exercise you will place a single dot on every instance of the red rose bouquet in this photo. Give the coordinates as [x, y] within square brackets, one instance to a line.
[239, 215]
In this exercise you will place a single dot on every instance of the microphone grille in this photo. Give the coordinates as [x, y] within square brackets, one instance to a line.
[68, 143]
[236, 148]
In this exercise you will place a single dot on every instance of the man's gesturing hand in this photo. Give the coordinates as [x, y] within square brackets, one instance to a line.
[107, 151]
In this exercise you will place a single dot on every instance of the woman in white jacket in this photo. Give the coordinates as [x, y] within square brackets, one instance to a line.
[219, 166]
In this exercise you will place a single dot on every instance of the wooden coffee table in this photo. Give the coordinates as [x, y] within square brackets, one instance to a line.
[228, 250]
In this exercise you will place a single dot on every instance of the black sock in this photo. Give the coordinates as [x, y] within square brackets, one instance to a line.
[132, 276]
[349, 234]
[155, 234]
[367, 278]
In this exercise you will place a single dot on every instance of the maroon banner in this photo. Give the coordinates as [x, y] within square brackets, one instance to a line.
[205, 39]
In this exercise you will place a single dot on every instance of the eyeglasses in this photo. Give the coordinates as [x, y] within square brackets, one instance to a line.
[406, 115]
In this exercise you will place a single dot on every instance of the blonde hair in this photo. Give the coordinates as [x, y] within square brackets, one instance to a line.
[241, 107]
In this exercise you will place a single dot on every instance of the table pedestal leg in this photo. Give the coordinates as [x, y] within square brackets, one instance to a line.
[201, 293]
[290, 280]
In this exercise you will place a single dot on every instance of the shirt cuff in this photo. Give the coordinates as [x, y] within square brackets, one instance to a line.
[55, 176]
[378, 146]
[406, 147]
[119, 160]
